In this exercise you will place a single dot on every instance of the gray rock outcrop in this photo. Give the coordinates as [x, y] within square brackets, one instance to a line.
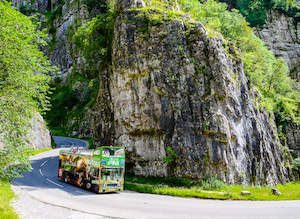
[275, 191]
[292, 138]
[38, 134]
[177, 88]
[282, 35]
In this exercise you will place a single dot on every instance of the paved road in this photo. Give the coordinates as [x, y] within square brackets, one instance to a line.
[42, 183]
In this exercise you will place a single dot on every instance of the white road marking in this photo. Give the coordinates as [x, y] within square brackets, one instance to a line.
[47, 178]
[41, 172]
[44, 163]
[54, 183]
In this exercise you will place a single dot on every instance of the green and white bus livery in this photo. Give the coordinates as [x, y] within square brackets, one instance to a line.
[100, 170]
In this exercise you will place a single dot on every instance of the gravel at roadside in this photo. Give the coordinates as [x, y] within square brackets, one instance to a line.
[30, 208]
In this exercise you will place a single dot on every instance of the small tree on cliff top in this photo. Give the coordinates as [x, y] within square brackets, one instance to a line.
[23, 86]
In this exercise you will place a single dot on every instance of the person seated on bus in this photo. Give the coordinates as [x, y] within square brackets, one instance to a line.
[105, 152]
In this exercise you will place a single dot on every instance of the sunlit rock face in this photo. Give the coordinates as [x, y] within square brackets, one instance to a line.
[39, 136]
[174, 87]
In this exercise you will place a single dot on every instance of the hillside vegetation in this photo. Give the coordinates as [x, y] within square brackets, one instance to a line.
[23, 86]
[255, 11]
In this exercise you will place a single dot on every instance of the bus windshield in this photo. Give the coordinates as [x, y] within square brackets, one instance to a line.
[113, 152]
[111, 174]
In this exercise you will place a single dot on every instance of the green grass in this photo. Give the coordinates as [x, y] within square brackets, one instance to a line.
[157, 185]
[6, 195]
[290, 191]
[38, 151]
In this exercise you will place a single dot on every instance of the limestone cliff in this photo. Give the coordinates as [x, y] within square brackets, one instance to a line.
[38, 134]
[176, 89]
[176, 98]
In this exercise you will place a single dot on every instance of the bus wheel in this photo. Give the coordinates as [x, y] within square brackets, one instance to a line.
[88, 185]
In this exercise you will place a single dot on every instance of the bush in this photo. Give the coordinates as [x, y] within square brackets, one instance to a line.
[213, 184]
[255, 11]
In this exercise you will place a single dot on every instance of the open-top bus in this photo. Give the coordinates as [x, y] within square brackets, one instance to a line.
[100, 170]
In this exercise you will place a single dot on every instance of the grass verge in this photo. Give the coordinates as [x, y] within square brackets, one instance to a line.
[38, 151]
[6, 195]
[290, 191]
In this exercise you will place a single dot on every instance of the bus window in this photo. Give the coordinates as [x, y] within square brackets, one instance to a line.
[111, 174]
[96, 173]
[105, 152]
[119, 152]
[112, 152]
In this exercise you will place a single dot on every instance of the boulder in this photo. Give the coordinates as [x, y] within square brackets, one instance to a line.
[275, 192]
[245, 193]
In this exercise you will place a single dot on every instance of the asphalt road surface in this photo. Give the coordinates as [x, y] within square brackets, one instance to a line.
[43, 184]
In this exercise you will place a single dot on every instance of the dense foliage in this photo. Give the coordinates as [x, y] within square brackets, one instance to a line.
[95, 38]
[255, 11]
[23, 86]
[93, 41]
[280, 94]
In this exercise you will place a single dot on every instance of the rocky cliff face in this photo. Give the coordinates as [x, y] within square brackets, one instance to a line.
[38, 134]
[282, 35]
[66, 15]
[176, 89]
[178, 100]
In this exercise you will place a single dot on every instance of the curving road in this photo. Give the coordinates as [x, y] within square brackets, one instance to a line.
[42, 183]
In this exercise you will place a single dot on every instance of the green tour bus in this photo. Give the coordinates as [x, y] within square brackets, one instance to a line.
[100, 170]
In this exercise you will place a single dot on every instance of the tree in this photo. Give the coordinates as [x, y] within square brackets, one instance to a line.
[23, 86]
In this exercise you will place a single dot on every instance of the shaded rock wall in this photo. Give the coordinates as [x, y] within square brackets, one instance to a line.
[292, 138]
[68, 15]
[283, 37]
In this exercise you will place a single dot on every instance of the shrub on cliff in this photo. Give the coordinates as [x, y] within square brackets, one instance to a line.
[23, 86]
[297, 164]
